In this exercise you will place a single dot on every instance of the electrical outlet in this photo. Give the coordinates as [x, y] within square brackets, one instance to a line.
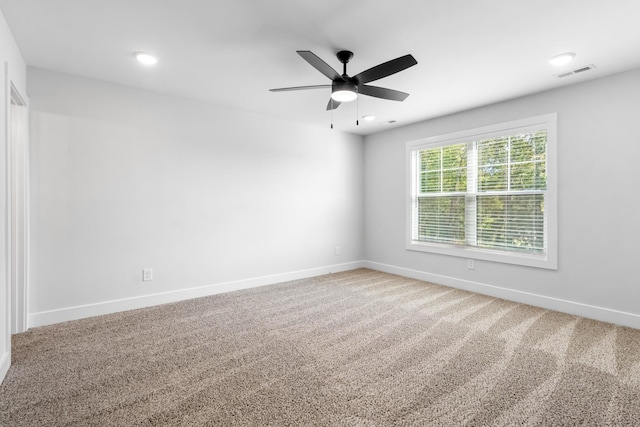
[471, 264]
[337, 250]
[147, 274]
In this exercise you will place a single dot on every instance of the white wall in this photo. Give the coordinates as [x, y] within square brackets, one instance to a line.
[13, 70]
[210, 198]
[214, 199]
[598, 151]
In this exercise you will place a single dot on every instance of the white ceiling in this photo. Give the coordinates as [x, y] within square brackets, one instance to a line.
[230, 52]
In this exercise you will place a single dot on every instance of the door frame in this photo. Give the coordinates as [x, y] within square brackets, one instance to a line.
[18, 210]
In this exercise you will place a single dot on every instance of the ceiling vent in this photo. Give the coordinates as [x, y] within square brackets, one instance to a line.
[576, 71]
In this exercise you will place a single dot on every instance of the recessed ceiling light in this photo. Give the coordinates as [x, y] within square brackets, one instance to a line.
[562, 59]
[368, 118]
[145, 58]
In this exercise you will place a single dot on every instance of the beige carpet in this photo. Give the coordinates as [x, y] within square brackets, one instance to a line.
[360, 348]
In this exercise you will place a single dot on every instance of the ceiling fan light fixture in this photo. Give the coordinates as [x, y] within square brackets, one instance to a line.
[344, 91]
[344, 95]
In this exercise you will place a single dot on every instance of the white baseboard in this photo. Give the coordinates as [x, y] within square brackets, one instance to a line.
[584, 310]
[107, 307]
[5, 363]
[79, 312]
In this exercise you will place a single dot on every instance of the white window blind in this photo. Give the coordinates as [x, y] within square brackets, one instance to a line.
[482, 193]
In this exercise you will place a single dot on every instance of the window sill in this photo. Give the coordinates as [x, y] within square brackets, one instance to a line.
[528, 260]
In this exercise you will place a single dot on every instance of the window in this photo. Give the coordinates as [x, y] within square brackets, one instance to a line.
[486, 193]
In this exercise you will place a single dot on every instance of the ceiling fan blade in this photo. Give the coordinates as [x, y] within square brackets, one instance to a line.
[333, 104]
[319, 64]
[381, 92]
[386, 69]
[284, 89]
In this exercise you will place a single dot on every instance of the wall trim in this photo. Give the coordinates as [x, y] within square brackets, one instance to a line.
[107, 307]
[570, 307]
[5, 363]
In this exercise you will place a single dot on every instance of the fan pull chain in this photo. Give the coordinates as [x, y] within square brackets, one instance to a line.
[331, 113]
[357, 110]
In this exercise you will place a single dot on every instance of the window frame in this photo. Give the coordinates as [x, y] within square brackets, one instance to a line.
[547, 260]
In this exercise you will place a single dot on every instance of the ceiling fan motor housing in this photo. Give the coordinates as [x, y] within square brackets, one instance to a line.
[347, 85]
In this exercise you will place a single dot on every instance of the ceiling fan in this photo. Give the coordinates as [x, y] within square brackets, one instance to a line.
[345, 88]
